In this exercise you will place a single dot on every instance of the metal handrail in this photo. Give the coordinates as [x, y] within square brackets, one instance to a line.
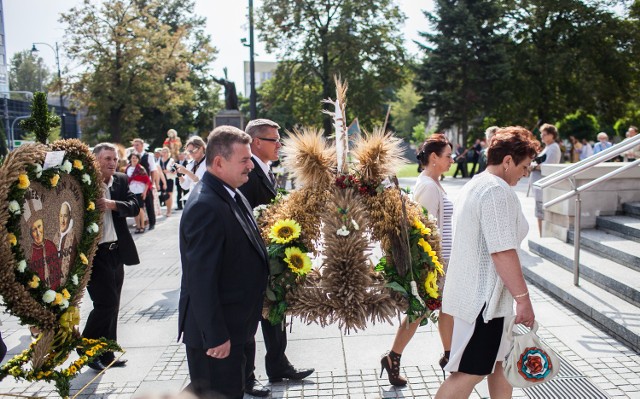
[596, 159]
[570, 173]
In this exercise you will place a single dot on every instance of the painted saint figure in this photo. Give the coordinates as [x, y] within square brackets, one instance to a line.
[65, 239]
[44, 261]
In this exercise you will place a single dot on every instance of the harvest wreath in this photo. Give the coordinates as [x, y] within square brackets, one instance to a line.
[49, 231]
[343, 210]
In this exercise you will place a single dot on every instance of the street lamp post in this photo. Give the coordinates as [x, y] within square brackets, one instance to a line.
[34, 49]
[252, 66]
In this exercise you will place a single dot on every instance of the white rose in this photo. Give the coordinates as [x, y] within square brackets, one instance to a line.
[49, 296]
[343, 231]
[21, 266]
[86, 178]
[66, 166]
[92, 228]
[38, 170]
[258, 210]
[64, 304]
[74, 279]
[14, 207]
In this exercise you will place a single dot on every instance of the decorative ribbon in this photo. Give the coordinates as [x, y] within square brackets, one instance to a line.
[70, 318]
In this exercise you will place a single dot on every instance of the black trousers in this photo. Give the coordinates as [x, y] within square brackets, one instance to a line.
[462, 168]
[181, 192]
[216, 378]
[104, 289]
[275, 340]
[149, 207]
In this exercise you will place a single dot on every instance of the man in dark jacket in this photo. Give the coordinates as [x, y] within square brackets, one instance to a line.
[261, 190]
[224, 269]
[115, 249]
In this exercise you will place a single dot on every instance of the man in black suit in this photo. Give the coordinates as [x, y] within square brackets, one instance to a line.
[115, 249]
[259, 190]
[224, 269]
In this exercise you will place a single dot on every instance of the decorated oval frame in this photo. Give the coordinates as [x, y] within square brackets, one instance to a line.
[49, 232]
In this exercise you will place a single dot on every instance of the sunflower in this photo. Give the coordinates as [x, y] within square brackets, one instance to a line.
[298, 262]
[431, 284]
[424, 230]
[284, 231]
[426, 247]
[23, 181]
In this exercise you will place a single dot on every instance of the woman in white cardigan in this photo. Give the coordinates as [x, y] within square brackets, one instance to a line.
[484, 274]
[435, 159]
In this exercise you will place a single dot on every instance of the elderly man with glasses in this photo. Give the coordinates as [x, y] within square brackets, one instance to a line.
[193, 172]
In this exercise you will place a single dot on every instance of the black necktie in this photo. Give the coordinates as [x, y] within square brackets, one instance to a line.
[245, 212]
[272, 178]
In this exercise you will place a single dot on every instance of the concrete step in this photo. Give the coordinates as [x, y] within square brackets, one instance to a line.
[610, 246]
[620, 225]
[613, 277]
[612, 314]
[632, 209]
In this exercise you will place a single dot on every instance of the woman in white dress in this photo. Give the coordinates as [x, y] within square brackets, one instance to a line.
[484, 274]
[435, 159]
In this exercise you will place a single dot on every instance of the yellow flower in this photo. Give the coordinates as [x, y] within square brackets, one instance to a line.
[54, 180]
[65, 293]
[83, 258]
[284, 231]
[298, 261]
[65, 372]
[72, 369]
[431, 284]
[58, 299]
[439, 267]
[13, 240]
[90, 353]
[35, 282]
[91, 206]
[23, 181]
[424, 230]
[426, 247]
[78, 164]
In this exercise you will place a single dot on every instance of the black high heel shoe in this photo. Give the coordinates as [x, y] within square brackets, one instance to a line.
[444, 360]
[391, 362]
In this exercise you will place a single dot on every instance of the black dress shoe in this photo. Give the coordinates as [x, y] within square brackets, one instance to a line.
[291, 373]
[119, 363]
[96, 365]
[255, 388]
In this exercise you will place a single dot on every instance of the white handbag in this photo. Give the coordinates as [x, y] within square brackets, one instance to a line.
[529, 361]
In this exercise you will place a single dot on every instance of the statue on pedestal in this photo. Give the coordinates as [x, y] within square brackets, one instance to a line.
[230, 96]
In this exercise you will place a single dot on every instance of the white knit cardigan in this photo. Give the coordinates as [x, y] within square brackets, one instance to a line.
[487, 219]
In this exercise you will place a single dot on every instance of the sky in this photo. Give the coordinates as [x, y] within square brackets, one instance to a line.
[30, 21]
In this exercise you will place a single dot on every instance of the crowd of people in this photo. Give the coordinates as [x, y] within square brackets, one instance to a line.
[225, 263]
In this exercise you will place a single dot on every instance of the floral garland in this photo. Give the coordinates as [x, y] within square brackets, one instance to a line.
[92, 349]
[26, 296]
[288, 264]
[423, 298]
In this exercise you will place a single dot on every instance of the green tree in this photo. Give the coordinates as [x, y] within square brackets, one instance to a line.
[568, 55]
[358, 40]
[28, 72]
[41, 122]
[403, 119]
[465, 61]
[580, 125]
[138, 58]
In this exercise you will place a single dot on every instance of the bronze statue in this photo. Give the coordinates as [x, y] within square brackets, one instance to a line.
[230, 96]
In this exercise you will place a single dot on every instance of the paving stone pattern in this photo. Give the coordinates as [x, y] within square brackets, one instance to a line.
[157, 363]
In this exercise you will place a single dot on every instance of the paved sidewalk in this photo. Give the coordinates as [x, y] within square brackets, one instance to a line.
[347, 365]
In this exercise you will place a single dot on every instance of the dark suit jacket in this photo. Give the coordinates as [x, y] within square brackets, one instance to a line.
[258, 190]
[224, 269]
[127, 206]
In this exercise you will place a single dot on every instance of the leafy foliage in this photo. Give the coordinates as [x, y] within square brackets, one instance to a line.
[357, 40]
[41, 120]
[28, 72]
[142, 63]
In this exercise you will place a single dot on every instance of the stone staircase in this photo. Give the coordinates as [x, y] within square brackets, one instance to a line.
[609, 290]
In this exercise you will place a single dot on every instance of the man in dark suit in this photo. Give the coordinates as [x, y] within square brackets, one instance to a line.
[259, 190]
[115, 249]
[224, 269]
